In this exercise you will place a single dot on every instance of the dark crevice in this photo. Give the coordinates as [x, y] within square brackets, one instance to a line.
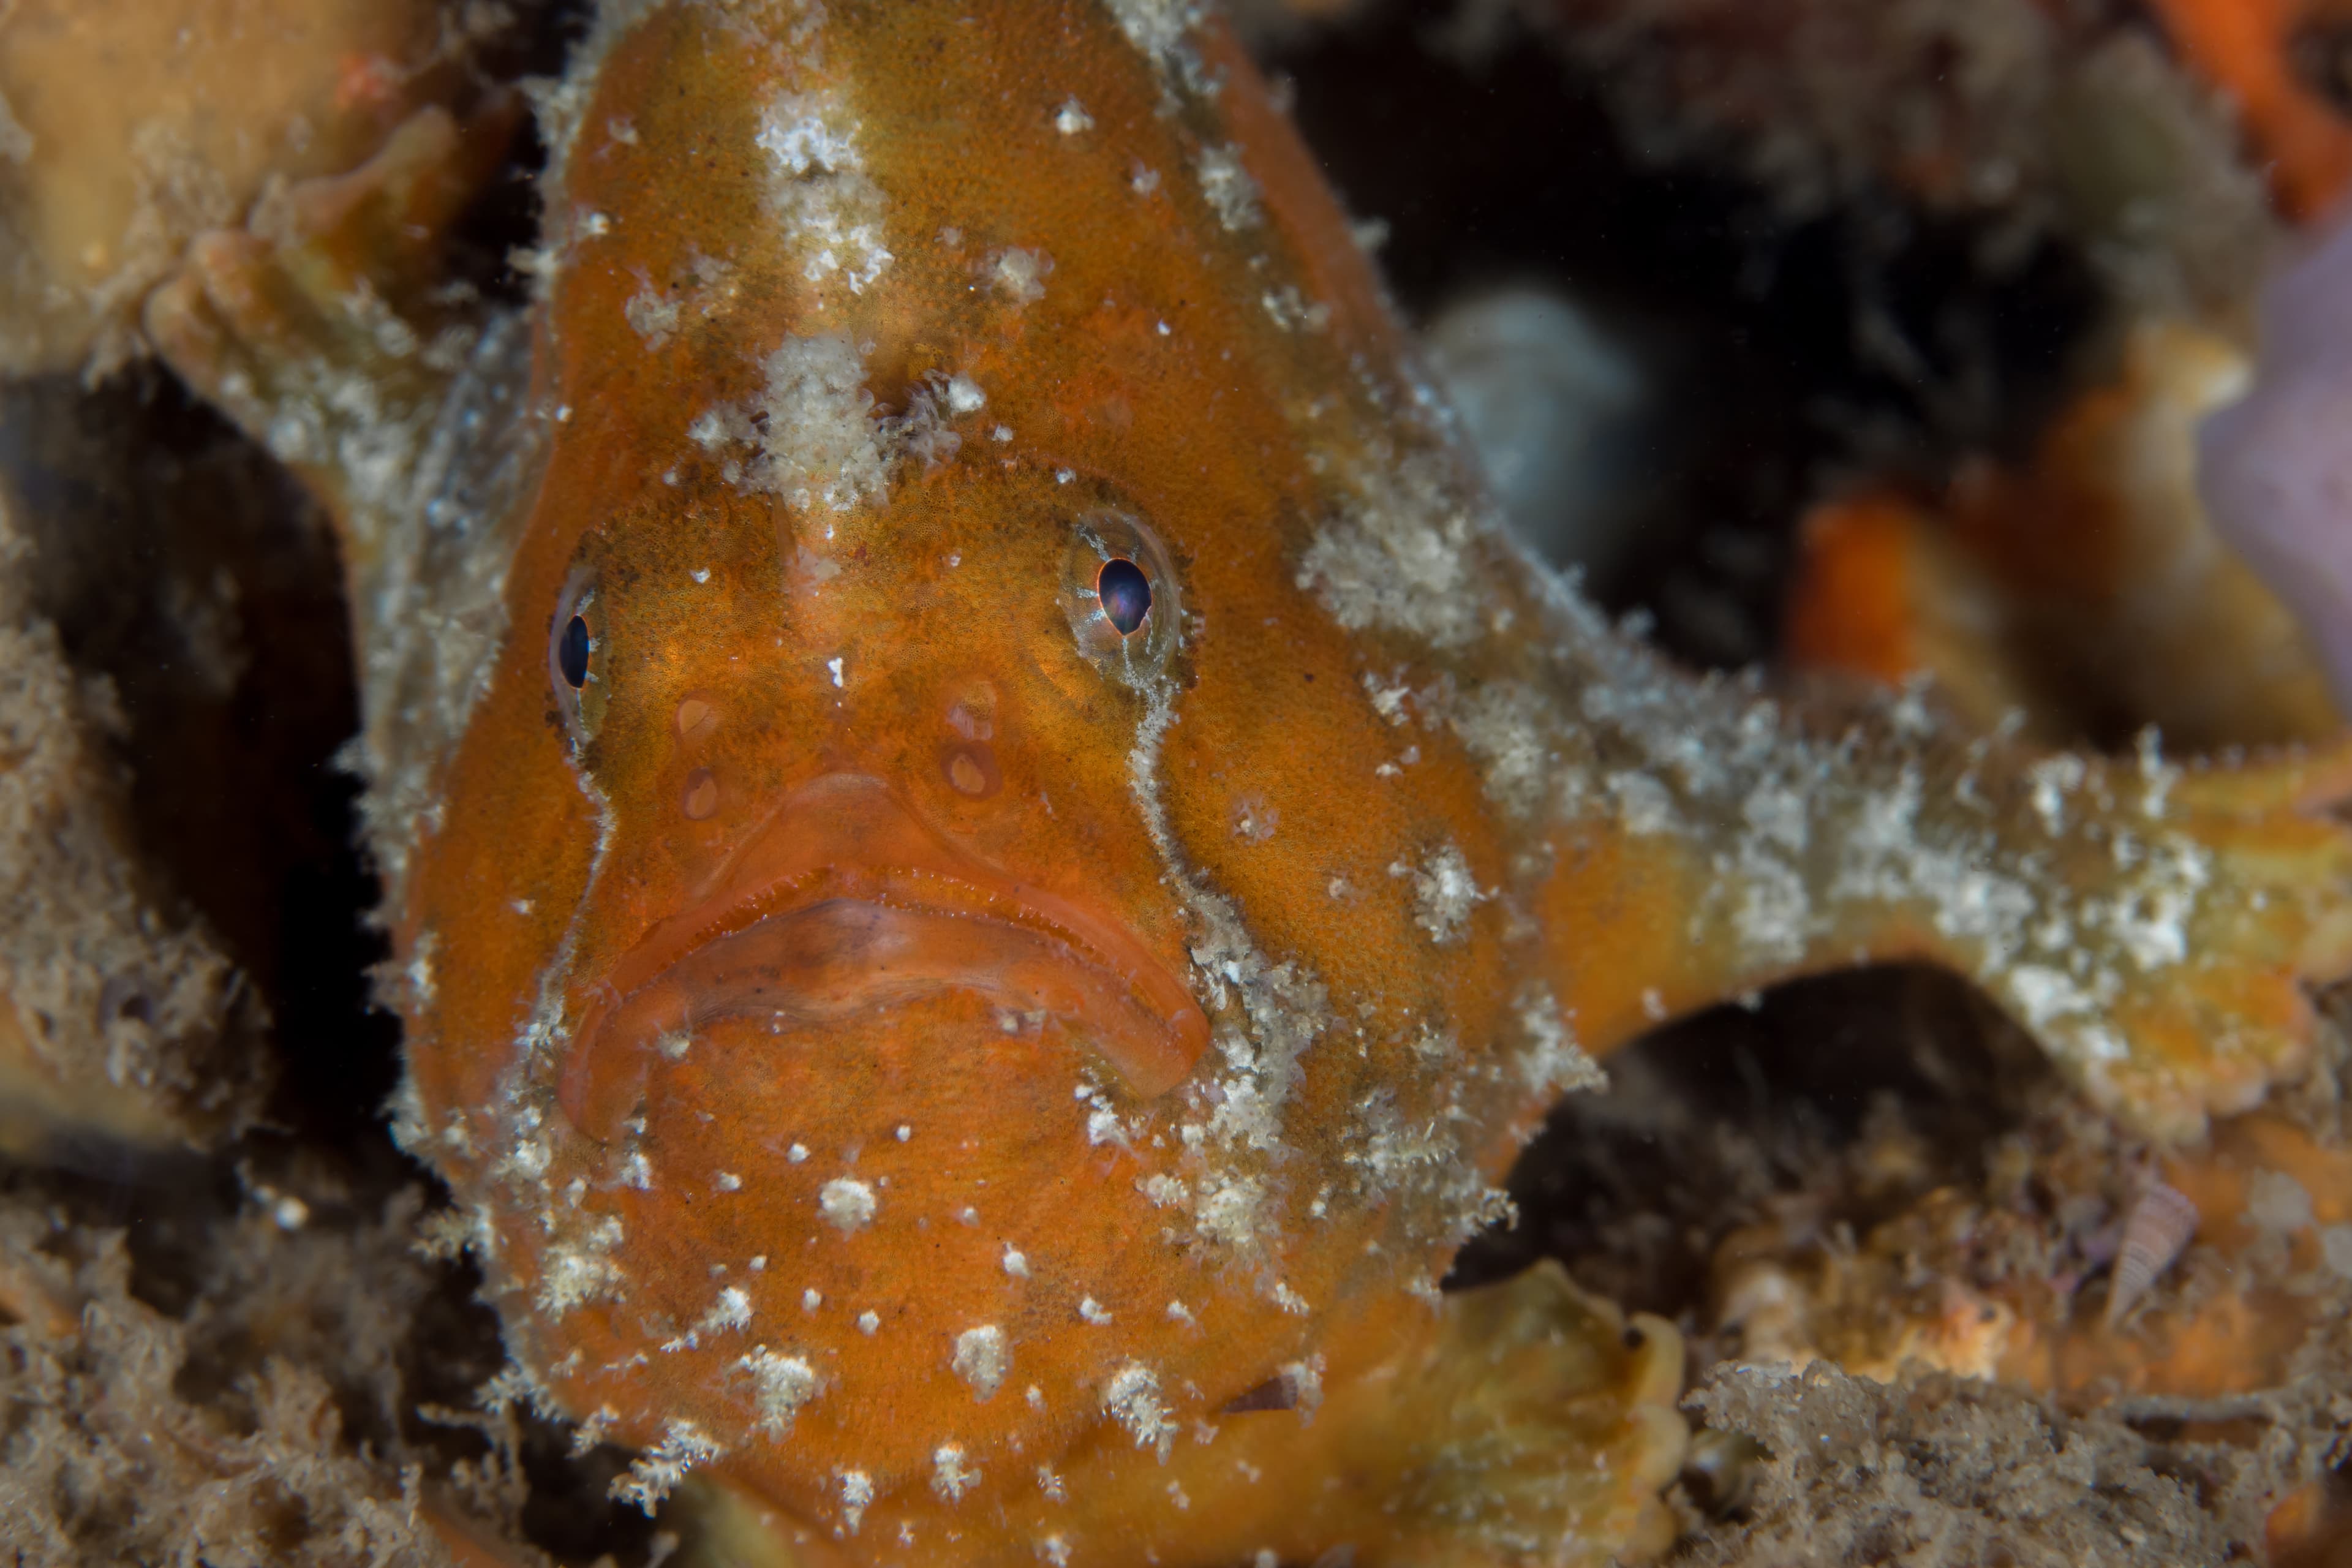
[1770, 337]
[1852, 1095]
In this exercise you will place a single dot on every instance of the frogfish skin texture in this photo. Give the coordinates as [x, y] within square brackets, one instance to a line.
[977, 1072]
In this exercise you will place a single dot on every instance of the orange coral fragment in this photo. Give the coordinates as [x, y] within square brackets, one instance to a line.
[1880, 593]
[2087, 588]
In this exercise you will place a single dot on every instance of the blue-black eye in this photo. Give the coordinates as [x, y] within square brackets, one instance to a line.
[1125, 593]
[571, 652]
[579, 675]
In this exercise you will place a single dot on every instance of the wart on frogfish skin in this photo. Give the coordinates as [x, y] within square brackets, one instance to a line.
[1019, 275]
[982, 1359]
[971, 769]
[849, 1203]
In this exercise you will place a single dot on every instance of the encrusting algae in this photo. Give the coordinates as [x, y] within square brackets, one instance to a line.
[122, 1016]
[126, 131]
[991, 856]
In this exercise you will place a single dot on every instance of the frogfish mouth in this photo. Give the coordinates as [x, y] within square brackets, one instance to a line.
[844, 906]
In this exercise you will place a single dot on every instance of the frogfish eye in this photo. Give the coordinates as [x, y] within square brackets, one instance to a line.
[571, 652]
[577, 658]
[1125, 593]
[1122, 594]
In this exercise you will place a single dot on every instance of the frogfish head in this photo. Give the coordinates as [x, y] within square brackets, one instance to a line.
[916, 953]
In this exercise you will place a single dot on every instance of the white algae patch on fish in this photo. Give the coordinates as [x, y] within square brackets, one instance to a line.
[831, 209]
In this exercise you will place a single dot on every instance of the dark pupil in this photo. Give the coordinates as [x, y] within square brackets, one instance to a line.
[1125, 593]
[572, 654]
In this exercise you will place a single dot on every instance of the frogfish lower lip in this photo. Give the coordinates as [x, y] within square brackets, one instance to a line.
[844, 904]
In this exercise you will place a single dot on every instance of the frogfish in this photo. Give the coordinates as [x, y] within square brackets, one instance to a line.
[991, 851]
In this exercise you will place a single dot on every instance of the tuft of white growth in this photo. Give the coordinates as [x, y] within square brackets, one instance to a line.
[1072, 118]
[847, 1202]
[2148, 917]
[1400, 553]
[869, 1323]
[1159, 28]
[816, 438]
[806, 134]
[780, 1384]
[1305, 1379]
[1503, 726]
[1093, 1311]
[856, 1497]
[1132, 1399]
[728, 1182]
[1444, 893]
[578, 1265]
[1388, 698]
[1231, 1210]
[1103, 1125]
[1553, 1064]
[2054, 779]
[830, 209]
[1019, 275]
[1775, 915]
[1392, 1151]
[822, 446]
[1016, 1263]
[981, 1359]
[951, 1476]
[1643, 804]
[652, 315]
[658, 1471]
[2047, 996]
[1422, 1161]
[731, 1310]
[1231, 194]
[1293, 311]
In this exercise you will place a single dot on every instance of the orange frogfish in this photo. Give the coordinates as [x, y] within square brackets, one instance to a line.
[990, 853]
